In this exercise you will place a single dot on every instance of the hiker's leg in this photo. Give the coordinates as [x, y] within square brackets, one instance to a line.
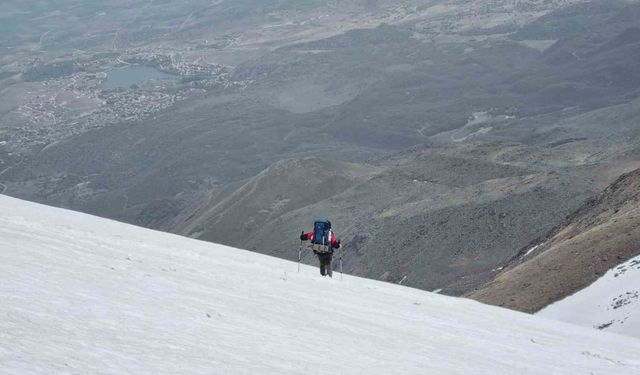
[325, 261]
[322, 264]
[329, 268]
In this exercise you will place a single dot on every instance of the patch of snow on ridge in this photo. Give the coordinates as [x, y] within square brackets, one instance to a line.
[530, 251]
[611, 303]
[85, 295]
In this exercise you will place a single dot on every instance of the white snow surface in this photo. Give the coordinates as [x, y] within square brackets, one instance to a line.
[85, 295]
[611, 303]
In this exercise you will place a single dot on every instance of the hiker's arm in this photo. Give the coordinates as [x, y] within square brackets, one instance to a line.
[336, 244]
[305, 236]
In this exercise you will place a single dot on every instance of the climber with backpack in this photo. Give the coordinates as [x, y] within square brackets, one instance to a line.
[323, 243]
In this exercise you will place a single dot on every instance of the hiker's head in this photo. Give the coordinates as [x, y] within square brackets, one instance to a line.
[328, 224]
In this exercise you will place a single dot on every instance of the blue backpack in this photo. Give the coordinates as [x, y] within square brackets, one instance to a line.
[321, 230]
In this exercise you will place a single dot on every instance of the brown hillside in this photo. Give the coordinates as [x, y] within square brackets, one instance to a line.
[600, 235]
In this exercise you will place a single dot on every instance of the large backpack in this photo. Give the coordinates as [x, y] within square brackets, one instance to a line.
[321, 242]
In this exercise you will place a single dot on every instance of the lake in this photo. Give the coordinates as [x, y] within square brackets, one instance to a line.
[133, 75]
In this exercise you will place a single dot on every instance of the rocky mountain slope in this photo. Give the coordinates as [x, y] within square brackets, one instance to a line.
[598, 237]
[431, 217]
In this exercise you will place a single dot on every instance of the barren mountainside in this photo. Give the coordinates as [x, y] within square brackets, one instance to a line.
[432, 217]
[603, 233]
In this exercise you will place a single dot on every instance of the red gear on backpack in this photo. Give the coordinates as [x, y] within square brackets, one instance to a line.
[334, 242]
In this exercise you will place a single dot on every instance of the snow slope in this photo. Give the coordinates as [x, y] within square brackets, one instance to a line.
[611, 303]
[84, 295]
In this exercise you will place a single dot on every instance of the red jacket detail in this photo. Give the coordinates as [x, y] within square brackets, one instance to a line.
[332, 239]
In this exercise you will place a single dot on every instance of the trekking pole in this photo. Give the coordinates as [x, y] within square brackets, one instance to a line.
[299, 256]
[341, 252]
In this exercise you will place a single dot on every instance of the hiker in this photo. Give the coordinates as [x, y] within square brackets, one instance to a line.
[323, 242]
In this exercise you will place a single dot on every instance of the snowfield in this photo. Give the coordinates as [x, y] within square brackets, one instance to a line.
[85, 295]
[611, 303]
